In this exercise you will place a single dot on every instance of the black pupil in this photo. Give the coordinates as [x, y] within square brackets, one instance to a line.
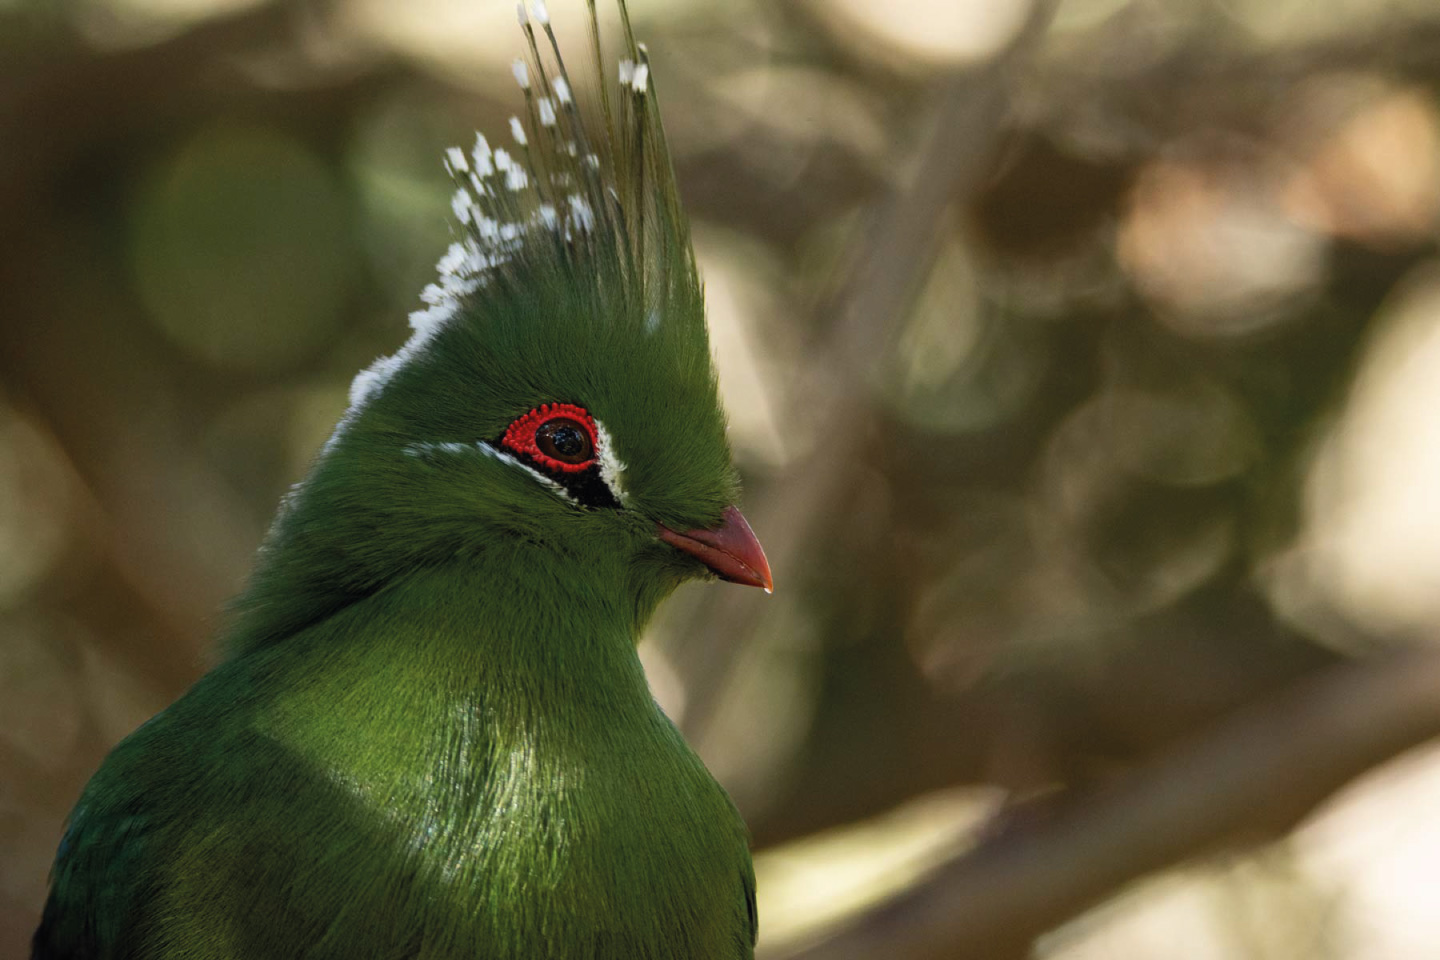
[564, 440]
[568, 441]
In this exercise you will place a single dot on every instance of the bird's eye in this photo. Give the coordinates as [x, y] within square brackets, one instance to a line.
[565, 440]
[558, 437]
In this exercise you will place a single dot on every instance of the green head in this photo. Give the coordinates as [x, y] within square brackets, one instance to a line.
[556, 407]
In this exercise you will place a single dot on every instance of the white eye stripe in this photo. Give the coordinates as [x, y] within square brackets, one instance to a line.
[480, 446]
[612, 470]
[425, 449]
[506, 458]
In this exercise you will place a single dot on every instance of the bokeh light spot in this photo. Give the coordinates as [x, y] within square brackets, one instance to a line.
[1373, 516]
[241, 249]
[960, 31]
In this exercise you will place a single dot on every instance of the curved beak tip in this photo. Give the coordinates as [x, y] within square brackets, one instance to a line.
[731, 550]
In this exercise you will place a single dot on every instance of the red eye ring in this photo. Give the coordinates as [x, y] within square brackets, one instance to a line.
[520, 436]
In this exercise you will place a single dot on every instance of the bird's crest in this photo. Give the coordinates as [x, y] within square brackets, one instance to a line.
[582, 195]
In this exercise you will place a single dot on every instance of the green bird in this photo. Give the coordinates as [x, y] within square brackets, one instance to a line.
[430, 736]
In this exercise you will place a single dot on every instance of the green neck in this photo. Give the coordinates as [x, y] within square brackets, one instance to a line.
[512, 634]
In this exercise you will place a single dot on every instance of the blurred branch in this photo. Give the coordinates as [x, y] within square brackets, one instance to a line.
[1251, 779]
[879, 277]
[900, 243]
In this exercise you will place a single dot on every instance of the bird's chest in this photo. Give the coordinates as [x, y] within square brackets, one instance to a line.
[535, 819]
[595, 848]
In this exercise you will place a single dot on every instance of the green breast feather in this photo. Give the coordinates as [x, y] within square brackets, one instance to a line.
[431, 736]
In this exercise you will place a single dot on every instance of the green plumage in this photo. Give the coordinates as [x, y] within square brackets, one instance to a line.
[431, 736]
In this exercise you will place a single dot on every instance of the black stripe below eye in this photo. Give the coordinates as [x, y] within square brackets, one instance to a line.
[587, 486]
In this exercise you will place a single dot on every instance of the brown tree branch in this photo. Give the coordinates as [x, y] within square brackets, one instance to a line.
[1251, 779]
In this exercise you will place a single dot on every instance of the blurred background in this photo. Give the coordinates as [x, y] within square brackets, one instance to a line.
[1083, 363]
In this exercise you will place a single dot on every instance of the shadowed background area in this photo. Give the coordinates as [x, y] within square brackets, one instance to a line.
[1081, 359]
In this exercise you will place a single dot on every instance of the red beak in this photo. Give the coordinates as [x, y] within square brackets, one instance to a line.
[730, 549]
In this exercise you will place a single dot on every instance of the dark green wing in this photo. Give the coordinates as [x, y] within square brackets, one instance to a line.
[102, 874]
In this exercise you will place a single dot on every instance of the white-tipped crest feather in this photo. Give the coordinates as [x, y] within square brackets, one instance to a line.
[574, 187]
